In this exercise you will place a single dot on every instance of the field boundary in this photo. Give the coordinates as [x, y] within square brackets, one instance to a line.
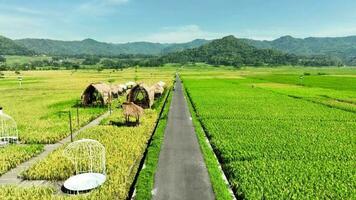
[314, 100]
[207, 142]
[132, 191]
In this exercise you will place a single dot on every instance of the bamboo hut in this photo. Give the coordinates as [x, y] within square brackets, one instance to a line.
[162, 84]
[141, 95]
[97, 94]
[117, 90]
[158, 90]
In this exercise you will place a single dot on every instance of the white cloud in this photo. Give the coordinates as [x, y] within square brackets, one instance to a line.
[180, 34]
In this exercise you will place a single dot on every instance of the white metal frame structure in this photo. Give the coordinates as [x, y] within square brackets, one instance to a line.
[88, 158]
[8, 129]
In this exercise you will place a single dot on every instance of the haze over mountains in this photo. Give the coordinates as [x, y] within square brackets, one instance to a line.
[343, 48]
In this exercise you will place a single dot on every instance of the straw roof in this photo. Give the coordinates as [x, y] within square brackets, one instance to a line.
[130, 84]
[162, 84]
[90, 96]
[141, 95]
[117, 89]
[132, 109]
[157, 89]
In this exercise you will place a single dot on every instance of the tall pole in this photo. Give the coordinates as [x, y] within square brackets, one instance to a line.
[70, 126]
[78, 114]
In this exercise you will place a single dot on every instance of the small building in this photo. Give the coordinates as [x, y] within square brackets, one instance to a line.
[97, 94]
[141, 95]
[158, 90]
[117, 90]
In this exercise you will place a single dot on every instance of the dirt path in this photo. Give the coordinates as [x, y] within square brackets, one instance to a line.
[181, 172]
[11, 177]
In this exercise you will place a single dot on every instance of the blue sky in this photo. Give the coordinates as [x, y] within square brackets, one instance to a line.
[175, 20]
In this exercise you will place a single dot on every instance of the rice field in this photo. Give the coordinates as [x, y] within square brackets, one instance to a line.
[36, 106]
[276, 138]
[278, 133]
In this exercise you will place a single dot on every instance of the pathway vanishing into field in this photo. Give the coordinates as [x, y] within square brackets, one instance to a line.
[12, 176]
[181, 172]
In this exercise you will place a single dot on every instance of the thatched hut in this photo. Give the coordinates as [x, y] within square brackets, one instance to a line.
[97, 94]
[162, 84]
[158, 90]
[130, 84]
[141, 95]
[117, 90]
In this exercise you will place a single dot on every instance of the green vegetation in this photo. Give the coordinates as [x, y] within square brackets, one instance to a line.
[93, 47]
[272, 145]
[37, 104]
[15, 154]
[124, 149]
[231, 51]
[339, 47]
[9, 47]
[145, 181]
[278, 133]
[124, 144]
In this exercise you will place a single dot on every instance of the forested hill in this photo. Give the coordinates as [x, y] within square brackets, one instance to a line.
[9, 47]
[93, 47]
[236, 52]
[341, 47]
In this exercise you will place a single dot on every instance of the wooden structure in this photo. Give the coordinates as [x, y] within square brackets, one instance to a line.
[117, 90]
[158, 90]
[141, 95]
[97, 94]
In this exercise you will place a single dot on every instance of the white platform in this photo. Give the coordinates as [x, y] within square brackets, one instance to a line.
[84, 182]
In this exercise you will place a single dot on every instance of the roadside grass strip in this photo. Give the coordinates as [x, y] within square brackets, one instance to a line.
[145, 181]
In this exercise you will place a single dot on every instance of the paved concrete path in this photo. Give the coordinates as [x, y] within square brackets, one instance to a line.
[181, 172]
[12, 176]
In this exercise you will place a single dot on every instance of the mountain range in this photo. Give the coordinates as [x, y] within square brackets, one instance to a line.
[340, 47]
[343, 48]
[231, 51]
[93, 47]
[9, 47]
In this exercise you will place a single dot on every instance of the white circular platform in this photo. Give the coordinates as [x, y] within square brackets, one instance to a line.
[83, 182]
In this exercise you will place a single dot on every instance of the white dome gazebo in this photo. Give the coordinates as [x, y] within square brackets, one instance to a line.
[88, 158]
[8, 129]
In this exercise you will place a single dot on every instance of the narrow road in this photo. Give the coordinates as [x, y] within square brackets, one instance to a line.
[181, 172]
[12, 176]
